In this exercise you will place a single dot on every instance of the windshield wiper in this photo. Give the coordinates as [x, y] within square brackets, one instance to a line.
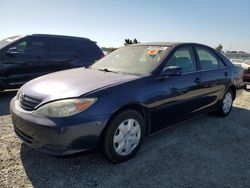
[108, 70]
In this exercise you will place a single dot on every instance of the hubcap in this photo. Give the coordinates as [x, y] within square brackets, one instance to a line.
[127, 137]
[227, 102]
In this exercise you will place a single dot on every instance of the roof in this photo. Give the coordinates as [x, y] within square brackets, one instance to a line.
[60, 36]
[159, 44]
[169, 44]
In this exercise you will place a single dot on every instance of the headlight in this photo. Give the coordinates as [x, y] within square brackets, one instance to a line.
[65, 108]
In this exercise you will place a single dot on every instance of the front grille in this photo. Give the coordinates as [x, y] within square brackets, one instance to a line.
[28, 103]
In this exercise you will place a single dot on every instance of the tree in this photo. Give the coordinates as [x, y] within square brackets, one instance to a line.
[219, 48]
[108, 49]
[135, 41]
[129, 41]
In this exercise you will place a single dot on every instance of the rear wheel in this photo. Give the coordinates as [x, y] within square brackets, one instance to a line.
[124, 136]
[225, 105]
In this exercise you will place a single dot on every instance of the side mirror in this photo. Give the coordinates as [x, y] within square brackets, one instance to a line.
[12, 51]
[171, 71]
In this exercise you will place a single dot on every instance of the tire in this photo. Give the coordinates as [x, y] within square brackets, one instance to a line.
[124, 136]
[225, 105]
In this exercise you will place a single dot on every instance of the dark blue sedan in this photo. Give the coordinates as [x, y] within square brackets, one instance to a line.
[127, 95]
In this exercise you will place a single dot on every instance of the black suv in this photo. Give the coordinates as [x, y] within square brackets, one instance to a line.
[23, 58]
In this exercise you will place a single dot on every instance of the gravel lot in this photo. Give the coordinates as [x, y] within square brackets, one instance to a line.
[203, 152]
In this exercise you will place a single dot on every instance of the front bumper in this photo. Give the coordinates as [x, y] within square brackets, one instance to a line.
[60, 136]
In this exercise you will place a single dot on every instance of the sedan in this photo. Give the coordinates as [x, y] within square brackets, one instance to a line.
[246, 77]
[245, 65]
[129, 94]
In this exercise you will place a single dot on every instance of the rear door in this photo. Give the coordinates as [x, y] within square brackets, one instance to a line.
[26, 60]
[63, 54]
[179, 94]
[215, 75]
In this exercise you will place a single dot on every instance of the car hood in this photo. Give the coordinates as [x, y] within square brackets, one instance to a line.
[71, 83]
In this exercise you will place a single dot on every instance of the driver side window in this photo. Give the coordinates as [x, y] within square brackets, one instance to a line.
[32, 46]
[184, 58]
[21, 47]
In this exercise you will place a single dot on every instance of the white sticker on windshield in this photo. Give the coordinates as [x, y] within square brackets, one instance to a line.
[163, 48]
[157, 48]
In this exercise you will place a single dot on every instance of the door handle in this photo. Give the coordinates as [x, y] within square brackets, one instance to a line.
[226, 74]
[197, 81]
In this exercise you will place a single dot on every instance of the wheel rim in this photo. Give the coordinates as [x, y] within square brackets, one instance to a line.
[127, 137]
[227, 102]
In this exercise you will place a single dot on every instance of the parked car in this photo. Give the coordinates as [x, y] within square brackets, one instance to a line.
[246, 76]
[23, 58]
[245, 64]
[237, 61]
[127, 95]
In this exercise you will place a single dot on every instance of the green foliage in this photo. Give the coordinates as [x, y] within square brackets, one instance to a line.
[219, 48]
[135, 41]
[129, 41]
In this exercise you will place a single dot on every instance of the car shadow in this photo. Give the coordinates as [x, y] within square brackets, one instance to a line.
[5, 98]
[203, 145]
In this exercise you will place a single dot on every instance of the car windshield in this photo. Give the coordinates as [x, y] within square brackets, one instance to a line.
[137, 60]
[9, 40]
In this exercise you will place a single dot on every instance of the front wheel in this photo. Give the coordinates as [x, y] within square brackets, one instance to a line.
[225, 105]
[124, 136]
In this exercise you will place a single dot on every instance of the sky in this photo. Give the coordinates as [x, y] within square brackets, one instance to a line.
[109, 22]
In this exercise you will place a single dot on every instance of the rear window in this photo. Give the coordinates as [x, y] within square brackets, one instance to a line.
[207, 59]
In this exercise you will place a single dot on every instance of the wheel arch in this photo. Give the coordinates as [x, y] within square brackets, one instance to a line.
[233, 89]
[140, 108]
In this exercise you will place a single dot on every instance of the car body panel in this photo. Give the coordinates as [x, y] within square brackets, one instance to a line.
[214, 86]
[44, 135]
[164, 100]
[71, 83]
[18, 67]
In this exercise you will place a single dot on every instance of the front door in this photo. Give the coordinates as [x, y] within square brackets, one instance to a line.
[179, 96]
[24, 60]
